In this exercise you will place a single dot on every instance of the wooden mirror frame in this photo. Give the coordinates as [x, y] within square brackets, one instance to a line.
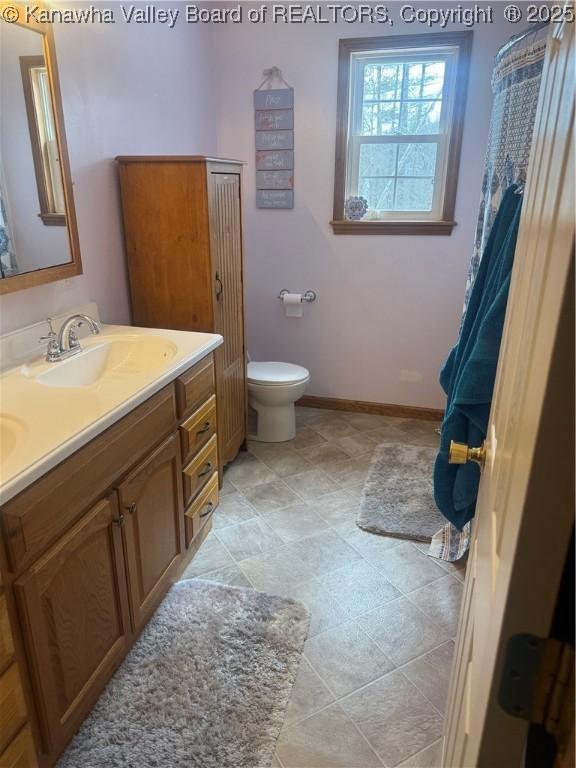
[74, 267]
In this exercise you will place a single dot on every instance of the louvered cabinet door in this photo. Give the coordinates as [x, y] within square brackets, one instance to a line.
[226, 249]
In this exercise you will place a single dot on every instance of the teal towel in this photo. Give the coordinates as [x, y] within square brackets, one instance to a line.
[469, 372]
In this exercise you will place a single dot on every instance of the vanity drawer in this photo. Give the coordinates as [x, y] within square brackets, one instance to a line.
[12, 707]
[198, 429]
[6, 644]
[35, 518]
[195, 386]
[201, 509]
[21, 753]
[199, 470]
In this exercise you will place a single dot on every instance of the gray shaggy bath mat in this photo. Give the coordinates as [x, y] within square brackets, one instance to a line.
[205, 686]
[397, 499]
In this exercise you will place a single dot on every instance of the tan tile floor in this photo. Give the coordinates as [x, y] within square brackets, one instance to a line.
[372, 686]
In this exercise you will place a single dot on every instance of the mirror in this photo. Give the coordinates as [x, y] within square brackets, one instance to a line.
[38, 237]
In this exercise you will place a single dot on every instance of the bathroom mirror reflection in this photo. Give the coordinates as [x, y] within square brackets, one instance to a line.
[38, 241]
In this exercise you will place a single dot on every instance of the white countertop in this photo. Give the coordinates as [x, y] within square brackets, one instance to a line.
[41, 425]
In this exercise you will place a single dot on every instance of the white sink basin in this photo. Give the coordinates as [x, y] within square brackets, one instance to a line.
[120, 356]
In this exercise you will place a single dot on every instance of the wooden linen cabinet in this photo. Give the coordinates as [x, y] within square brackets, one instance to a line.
[183, 235]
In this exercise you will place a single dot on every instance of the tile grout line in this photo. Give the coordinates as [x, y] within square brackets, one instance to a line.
[275, 753]
[338, 699]
[421, 751]
[396, 668]
[331, 704]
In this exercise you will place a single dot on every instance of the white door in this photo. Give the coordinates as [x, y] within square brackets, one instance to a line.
[524, 515]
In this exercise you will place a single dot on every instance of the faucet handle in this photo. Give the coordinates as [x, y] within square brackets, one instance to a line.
[51, 332]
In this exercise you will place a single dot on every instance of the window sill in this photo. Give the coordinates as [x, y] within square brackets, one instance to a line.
[53, 219]
[349, 227]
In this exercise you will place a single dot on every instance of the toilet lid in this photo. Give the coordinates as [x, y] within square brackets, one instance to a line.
[276, 373]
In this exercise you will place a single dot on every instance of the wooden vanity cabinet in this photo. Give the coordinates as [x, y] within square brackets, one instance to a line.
[153, 520]
[92, 547]
[183, 222]
[74, 610]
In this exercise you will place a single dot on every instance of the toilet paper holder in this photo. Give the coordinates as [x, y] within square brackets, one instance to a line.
[308, 296]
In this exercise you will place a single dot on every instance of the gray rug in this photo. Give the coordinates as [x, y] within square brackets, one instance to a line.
[205, 686]
[397, 499]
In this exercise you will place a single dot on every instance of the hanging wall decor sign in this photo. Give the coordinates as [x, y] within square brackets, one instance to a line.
[274, 126]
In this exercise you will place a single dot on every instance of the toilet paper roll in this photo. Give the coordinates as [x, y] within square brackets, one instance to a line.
[293, 305]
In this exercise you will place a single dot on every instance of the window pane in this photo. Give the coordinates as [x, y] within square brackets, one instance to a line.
[382, 82]
[388, 118]
[402, 97]
[420, 117]
[414, 79]
[381, 119]
[416, 159]
[433, 80]
[414, 194]
[378, 160]
[378, 192]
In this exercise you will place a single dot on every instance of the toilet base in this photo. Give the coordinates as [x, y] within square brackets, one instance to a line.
[275, 424]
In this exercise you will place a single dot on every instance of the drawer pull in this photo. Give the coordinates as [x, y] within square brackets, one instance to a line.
[204, 429]
[207, 470]
[209, 508]
[119, 521]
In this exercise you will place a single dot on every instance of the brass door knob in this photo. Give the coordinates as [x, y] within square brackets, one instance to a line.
[460, 453]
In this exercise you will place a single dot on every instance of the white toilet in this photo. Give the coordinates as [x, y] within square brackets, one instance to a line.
[273, 388]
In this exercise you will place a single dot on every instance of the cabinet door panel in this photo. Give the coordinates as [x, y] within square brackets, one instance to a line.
[6, 643]
[74, 609]
[151, 501]
[12, 705]
[226, 248]
[21, 752]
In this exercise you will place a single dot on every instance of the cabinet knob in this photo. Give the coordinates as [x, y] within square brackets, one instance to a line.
[119, 521]
[131, 508]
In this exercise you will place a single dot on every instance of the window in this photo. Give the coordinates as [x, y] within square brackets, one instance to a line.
[400, 112]
[43, 140]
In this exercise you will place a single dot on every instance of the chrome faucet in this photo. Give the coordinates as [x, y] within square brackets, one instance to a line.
[65, 343]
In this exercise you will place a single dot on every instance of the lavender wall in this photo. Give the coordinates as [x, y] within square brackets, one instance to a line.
[388, 308]
[126, 90]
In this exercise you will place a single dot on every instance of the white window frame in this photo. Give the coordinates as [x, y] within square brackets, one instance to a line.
[442, 139]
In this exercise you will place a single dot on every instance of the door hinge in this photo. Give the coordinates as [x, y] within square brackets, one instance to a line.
[538, 683]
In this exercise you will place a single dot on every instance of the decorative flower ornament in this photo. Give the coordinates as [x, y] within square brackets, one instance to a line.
[355, 208]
